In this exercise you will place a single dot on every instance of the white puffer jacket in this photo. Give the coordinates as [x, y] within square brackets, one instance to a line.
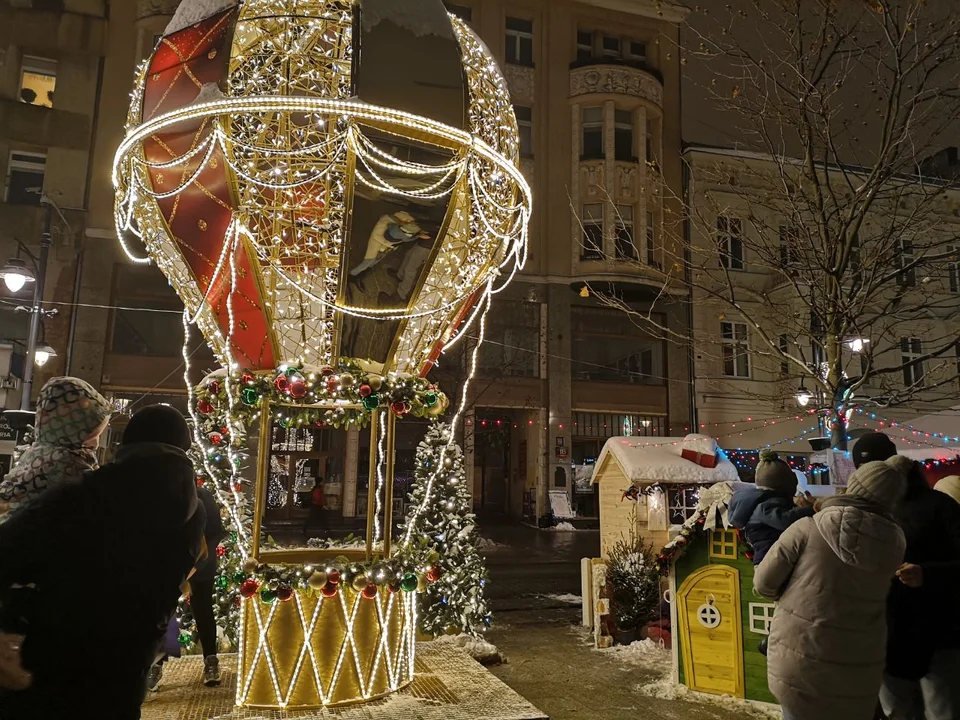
[830, 575]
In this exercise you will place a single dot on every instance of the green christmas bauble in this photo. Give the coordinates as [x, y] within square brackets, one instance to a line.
[371, 402]
[222, 582]
[409, 582]
[249, 396]
[267, 596]
[185, 639]
[431, 399]
[239, 577]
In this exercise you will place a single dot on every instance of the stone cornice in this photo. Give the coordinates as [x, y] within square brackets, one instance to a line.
[666, 10]
[616, 79]
[152, 8]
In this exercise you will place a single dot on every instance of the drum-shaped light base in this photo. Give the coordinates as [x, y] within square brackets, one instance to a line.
[312, 651]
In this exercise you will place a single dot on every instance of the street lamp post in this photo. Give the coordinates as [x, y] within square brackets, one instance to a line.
[36, 310]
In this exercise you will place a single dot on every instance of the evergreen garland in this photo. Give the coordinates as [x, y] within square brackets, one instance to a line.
[455, 602]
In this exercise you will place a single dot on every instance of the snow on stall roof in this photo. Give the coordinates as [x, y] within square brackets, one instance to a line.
[944, 454]
[658, 460]
[190, 12]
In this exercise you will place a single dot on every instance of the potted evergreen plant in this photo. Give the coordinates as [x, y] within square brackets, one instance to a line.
[633, 587]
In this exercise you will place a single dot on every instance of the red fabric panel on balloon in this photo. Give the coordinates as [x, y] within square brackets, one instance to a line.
[200, 214]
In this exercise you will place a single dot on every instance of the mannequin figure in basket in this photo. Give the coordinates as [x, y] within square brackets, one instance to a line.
[390, 232]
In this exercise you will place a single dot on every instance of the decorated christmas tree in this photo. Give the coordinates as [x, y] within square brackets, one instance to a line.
[455, 602]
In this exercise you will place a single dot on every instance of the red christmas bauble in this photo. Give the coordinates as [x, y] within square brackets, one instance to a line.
[249, 587]
[204, 407]
[434, 573]
[333, 577]
[284, 593]
[214, 387]
[400, 408]
[333, 384]
[238, 487]
[328, 590]
[200, 482]
[281, 383]
[365, 390]
[326, 371]
[221, 551]
[248, 379]
[297, 387]
[215, 438]
[369, 592]
[237, 602]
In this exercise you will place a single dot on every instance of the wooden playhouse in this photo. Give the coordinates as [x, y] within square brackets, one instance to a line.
[648, 485]
[717, 620]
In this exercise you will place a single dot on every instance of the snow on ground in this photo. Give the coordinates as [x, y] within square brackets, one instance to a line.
[479, 649]
[565, 598]
[564, 527]
[648, 656]
[486, 544]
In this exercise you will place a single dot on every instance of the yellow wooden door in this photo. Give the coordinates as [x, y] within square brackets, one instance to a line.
[711, 631]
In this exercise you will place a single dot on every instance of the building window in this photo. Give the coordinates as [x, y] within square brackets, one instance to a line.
[637, 50]
[652, 241]
[608, 346]
[953, 269]
[513, 347]
[730, 242]
[623, 136]
[591, 128]
[584, 45]
[592, 244]
[761, 615]
[682, 503]
[38, 79]
[525, 124]
[519, 41]
[723, 544]
[25, 178]
[610, 46]
[605, 425]
[911, 350]
[463, 12]
[789, 246]
[905, 260]
[136, 332]
[735, 349]
[626, 249]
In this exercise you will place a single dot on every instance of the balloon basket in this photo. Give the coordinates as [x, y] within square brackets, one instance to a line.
[314, 651]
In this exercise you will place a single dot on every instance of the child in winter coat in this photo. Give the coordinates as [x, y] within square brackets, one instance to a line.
[762, 513]
[71, 416]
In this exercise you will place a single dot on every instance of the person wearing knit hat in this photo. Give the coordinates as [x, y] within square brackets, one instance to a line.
[132, 529]
[872, 447]
[949, 485]
[830, 575]
[763, 512]
[923, 644]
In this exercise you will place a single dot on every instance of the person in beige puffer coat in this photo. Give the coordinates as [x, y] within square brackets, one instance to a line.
[830, 575]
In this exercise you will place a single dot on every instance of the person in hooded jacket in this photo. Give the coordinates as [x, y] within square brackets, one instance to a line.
[923, 647]
[830, 575]
[108, 555]
[71, 416]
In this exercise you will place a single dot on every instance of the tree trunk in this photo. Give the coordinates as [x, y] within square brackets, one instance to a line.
[838, 432]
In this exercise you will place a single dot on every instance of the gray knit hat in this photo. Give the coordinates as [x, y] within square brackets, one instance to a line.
[881, 483]
[774, 474]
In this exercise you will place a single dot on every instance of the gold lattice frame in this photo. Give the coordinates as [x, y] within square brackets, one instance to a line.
[258, 126]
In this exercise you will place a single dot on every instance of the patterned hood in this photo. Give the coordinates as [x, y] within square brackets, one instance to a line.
[69, 411]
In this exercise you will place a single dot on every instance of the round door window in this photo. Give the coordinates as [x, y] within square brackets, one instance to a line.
[708, 615]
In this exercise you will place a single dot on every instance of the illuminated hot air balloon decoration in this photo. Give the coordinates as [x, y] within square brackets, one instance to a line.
[332, 188]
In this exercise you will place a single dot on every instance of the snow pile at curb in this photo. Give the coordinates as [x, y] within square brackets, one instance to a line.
[568, 598]
[666, 689]
[486, 544]
[645, 653]
[564, 527]
[479, 649]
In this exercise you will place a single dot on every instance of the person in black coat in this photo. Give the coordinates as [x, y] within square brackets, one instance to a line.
[201, 597]
[923, 644]
[108, 556]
